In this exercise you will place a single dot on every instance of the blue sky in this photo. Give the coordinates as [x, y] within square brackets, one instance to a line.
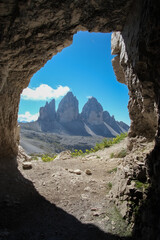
[85, 69]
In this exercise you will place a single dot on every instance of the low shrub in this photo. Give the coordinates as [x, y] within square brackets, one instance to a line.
[140, 185]
[47, 157]
[112, 170]
[99, 146]
[109, 185]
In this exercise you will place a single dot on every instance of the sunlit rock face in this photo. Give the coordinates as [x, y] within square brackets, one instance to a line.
[47, 116]
[92, 112]
[142, 104]
[68, 109]
[48, 112]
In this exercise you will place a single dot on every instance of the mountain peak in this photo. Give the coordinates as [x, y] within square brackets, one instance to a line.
[68, 108]
[48, 111]
[92, 112]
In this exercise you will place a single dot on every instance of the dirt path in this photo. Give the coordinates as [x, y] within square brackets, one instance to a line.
[66, 184]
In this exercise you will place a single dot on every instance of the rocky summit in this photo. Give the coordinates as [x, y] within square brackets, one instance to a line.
[92, 121]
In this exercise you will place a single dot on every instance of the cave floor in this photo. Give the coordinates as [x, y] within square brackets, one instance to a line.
[62, 202]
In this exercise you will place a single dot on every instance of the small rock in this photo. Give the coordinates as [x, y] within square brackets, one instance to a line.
[93, 209]
[87, 189]
[84, 196]
[96, 214]
[88, 172]
[77, 171]
[27, 165]
[106, 218]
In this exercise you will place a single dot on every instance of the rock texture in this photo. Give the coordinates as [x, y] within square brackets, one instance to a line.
[144, 119]
[48, 112]
[137, 60]
[47, 116]
[67, 120]
[68, 108]
[92, 112]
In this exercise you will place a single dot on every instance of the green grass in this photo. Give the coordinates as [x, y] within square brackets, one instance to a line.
[112, 170]
[109, 185]
[99, 146]
[112, 155]
[47, 157]
[120, 154]
[140, 185]
[34, 158]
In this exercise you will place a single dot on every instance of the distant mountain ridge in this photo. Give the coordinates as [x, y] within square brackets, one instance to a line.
[92, 121]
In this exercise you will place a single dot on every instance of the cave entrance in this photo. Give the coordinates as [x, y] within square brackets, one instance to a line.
[85, 69]
[77, 184]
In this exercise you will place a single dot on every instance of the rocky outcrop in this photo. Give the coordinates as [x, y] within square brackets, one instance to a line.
[143, 119]
[117, 126]
[47, 116]
[68, 109]
[48, 112]
[92, 112]
[67, 120]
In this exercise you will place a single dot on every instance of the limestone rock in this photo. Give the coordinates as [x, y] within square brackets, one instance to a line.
[63, 155]
[92, 112]
[47, 113]
[67, 121]
[76, 171]
[22, 156]
[68, 109]
[47, 116]
[88, 172]
[27, 165]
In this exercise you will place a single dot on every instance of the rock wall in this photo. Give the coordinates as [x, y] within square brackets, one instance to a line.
[137, 49]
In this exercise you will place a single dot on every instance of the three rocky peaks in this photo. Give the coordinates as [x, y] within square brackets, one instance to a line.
[67, 120]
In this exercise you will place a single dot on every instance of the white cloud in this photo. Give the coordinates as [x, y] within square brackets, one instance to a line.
[27, 117]
[89, 97]
[44, 92]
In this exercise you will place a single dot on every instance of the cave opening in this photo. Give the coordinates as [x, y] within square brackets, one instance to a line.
[91, 179]
[84, 68]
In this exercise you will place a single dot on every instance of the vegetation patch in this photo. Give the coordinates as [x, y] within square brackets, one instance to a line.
[120, 154]
[99, 146]
[109, 185]
[34, 158]
[112, 170]
[141, 186]
[48, 158]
